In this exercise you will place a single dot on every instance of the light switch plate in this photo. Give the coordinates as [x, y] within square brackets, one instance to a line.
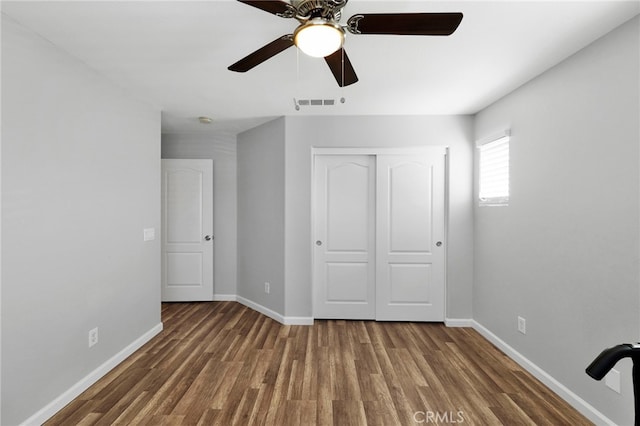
[149, 234]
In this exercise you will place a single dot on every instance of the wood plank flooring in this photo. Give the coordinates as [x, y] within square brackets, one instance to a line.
[221, 363]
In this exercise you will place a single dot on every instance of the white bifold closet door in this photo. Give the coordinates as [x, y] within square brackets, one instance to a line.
[379, 236]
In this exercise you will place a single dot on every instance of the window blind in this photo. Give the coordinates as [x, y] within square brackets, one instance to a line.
[494, 172]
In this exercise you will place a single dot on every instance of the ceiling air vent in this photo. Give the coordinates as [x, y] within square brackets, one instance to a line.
[314, 102]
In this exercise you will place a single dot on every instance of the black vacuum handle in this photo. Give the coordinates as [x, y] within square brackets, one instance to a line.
[609, 357]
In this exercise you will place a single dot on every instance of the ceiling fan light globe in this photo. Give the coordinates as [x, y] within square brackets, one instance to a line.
[318, 38]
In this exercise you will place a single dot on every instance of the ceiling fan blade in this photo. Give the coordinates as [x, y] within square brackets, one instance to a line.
[405, 23]
[265, 52]
[275, 7]
[341, 68]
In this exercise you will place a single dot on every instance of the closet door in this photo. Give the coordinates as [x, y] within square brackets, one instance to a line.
[410, 237]
[344, 239]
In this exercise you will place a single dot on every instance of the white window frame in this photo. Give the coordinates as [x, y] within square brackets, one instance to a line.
[496, 141]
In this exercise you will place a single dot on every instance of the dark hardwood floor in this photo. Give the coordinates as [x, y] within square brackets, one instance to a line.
[221, 363]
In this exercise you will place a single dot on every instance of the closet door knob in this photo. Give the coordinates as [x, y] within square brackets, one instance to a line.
[318, 243]
[439, 243]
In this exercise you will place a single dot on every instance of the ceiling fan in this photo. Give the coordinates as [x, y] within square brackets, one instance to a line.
[319, 33]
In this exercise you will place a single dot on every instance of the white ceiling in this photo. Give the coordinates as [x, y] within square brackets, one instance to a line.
[174, 55]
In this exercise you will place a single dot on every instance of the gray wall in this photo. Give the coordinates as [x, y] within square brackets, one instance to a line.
[564, 253]
[305, 132]
[261, 220]
[80, 181]
[274, 200]
[222, 150]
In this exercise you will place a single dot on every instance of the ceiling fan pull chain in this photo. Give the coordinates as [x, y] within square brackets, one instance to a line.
[297, 71]
[342, 85]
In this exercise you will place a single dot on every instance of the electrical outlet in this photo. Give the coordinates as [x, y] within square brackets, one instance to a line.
[267, 288]
[522, 325]
[612, 380]
[93, 336]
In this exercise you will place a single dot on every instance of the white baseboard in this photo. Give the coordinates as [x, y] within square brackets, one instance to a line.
[298, 320]
[565, 393]
[225, 298]
[275, 315]
[458, 322]
[60, 402]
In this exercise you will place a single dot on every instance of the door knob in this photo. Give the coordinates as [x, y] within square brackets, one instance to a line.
[208, 237]
[318, 243]
[439, 243]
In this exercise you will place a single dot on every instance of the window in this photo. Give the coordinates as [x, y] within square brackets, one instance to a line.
[494, 171]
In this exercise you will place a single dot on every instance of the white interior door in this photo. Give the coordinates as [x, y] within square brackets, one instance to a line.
[187, 230]
[344, 268]
[379, 236]
[410, 238]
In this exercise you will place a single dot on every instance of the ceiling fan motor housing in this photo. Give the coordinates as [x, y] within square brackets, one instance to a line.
[327, 9]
